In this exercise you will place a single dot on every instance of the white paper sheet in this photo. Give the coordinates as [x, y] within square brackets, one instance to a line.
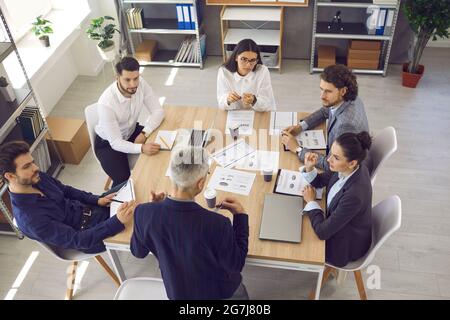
[230, 180]
[292, 182]
[242, 118]
[259, 160]
[168, 137]
[126, 193]
[228, 156]
[280, 121]
[312, 139]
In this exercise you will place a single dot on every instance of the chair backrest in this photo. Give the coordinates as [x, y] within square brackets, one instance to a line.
[384, 144]
[386, 219]
[91, 114]
[141, 289]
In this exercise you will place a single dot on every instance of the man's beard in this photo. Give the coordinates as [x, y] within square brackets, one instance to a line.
[30, 181]
[126, 90]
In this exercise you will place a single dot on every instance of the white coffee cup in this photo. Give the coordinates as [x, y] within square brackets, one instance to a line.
[267, 173]
[210, 196]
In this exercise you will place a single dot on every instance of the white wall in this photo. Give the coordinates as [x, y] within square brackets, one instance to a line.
[440, 43]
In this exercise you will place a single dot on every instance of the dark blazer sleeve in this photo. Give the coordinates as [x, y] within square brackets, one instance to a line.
[234, 244]
[349, 205]
[64, 236]
[322, 179]
[75, 194]
[138, 246]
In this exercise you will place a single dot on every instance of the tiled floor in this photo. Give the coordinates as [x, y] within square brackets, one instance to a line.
[415, 262]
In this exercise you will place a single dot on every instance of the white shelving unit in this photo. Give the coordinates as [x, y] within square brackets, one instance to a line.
[10, 112]
[263, 37]
[355, 31]
[162, 26]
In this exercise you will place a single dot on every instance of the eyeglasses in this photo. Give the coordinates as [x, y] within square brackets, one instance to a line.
[249, 61]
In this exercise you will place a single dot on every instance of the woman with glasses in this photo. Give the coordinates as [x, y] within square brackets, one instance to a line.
[243, 82]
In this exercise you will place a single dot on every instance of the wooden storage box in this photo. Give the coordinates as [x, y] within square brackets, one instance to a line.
[365, 45]
[355, 54]
[146, 50]
[326, 56]
[71, 138]
[362, 64]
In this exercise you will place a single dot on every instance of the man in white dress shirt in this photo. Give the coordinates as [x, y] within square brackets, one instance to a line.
[118, 133]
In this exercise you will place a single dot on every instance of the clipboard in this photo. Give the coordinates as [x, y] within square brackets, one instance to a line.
[319, 191]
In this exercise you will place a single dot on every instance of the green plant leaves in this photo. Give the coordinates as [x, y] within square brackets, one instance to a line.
[98, 31]
[41, 27]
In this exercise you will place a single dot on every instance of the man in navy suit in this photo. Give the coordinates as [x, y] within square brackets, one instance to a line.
[200, 252]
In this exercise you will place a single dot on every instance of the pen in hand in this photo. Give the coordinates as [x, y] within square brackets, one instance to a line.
[119, 201]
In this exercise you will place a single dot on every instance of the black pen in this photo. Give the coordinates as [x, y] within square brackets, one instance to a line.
[119, 201]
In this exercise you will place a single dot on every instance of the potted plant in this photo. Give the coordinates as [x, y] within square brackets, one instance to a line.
[427, 18]
[6, 90]
[98, 31]
[41, 29]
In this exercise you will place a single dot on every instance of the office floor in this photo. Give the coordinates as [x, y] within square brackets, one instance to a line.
[414, 263]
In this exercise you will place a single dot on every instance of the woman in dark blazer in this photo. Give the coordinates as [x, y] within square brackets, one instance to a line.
[347, 225]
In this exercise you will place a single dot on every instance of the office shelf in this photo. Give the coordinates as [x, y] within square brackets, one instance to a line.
[5, 49]
[161, 26]
[362, 5]
[352, 31]
[262, 37]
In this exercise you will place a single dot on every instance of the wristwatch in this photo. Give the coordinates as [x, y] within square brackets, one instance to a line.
[298, 150]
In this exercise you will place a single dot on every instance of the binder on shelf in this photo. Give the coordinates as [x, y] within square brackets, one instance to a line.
[180, 17]
[381, 22]
[186, 17]
[194, 19]
[389, 22]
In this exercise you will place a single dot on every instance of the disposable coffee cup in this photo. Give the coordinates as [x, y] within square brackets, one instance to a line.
[210, 196]
[234, 131]
[267, 173]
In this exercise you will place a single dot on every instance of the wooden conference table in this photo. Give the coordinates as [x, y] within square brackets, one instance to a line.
[149, 174]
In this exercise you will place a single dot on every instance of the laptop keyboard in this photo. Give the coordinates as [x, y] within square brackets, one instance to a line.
[197, 138]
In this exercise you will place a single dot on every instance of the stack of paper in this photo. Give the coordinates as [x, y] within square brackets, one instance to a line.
[243, 119]
[189, 51]
[125, 194]
[230, 180]
[292, 182]
[312, 139]
[280, 121]
[166, 139]
[231, 154]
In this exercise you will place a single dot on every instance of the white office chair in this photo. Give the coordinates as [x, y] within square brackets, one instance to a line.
[141, 289]
[76, 256]
[384, 144]
[386, 219]
[91, 115]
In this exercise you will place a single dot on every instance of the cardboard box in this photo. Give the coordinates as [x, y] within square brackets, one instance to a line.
[146, 50]
[71, 138]
[365, 45]
[362, 64]
[355, 54]
[326, 56]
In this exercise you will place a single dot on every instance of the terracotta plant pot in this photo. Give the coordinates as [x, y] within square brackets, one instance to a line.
[411, 80]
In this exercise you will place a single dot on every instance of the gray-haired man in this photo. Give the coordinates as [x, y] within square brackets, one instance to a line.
[201, 254]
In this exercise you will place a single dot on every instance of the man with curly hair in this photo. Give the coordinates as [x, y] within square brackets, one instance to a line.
[342, 107]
